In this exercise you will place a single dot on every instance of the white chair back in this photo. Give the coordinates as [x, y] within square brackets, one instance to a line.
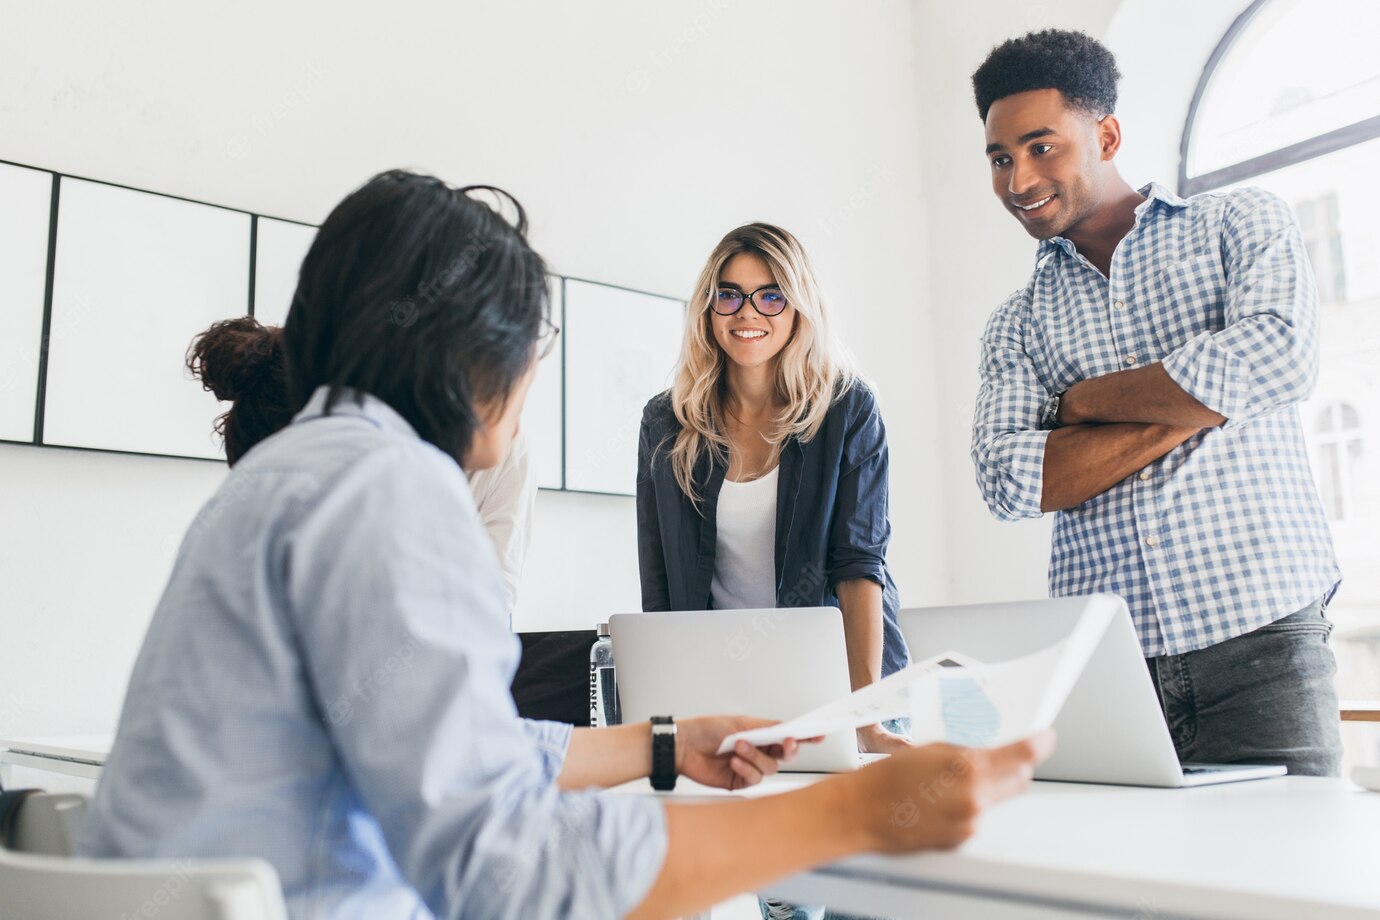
[41, 881]
[63, 888]
[48, 823]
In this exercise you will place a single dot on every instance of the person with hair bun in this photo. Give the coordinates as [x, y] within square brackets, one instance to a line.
[241, 361]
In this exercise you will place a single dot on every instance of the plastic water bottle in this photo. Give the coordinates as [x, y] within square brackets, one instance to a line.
[603, 682]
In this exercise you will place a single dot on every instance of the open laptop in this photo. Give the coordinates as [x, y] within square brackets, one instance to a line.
[1111, 729]
[776, 664]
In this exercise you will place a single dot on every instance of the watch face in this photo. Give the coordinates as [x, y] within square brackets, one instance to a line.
[1051, 414]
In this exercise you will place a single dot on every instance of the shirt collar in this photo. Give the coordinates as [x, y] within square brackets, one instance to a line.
[356, 403]
[1152, 192]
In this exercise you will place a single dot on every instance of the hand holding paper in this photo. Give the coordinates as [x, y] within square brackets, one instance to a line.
[954, 698]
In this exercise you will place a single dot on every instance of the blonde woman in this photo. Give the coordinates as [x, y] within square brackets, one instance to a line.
[762, 472]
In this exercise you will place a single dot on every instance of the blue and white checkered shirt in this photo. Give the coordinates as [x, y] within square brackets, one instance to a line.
[1225, 533]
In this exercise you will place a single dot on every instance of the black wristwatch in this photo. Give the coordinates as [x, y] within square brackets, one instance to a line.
[1049, 415]
[663, 753]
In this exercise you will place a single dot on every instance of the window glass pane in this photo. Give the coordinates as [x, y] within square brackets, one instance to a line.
[1322, 423]
[1329, 481]
[1300, 69]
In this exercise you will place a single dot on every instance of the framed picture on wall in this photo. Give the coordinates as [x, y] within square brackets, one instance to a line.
[621, 348]
[136, 276]
[279, 247]
[542, 422]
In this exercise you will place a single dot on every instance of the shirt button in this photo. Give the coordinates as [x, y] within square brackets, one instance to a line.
[1131, 359]
[1119, 305]
[1152, 541]
[1145, 475]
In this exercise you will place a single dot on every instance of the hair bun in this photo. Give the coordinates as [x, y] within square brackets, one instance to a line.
[235, 356]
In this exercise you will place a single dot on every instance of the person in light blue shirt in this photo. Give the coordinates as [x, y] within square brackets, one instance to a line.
[324, 684]
[1145, 386]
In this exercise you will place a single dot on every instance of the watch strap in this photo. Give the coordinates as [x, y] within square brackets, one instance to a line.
[663, 753]
[1049, 413]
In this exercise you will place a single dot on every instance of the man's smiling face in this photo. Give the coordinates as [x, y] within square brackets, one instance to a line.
[1046, 159]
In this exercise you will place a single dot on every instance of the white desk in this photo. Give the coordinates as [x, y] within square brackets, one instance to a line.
[1293, 848]
[72, 755]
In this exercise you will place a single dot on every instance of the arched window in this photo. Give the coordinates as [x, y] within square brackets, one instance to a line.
[1291, 81]
[1340, 453]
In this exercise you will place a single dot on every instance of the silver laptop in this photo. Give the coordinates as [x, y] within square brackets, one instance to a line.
[1111, 729]
[776, 664]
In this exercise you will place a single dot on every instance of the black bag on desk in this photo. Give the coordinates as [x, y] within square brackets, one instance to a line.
[552, 680]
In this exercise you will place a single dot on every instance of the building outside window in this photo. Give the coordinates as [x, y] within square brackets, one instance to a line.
[1340, 461]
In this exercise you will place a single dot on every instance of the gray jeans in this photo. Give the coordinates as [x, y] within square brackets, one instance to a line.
[1263, 697]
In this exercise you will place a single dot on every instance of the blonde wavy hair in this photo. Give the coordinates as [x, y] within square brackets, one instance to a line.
[812, 369]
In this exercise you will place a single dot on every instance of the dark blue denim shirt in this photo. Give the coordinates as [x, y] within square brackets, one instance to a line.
[832, 523]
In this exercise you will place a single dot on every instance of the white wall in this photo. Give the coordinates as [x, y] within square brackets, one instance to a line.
[86, 543]
[635, 133]
[985, 256]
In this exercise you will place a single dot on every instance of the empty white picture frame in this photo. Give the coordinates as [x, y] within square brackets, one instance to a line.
[542, 426]
[25, 204]
[136, 276]
[621, 349]
[280, 246]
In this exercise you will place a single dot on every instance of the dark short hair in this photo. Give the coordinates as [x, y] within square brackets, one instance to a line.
[422, 295]
[1074, 63]
[241, 361]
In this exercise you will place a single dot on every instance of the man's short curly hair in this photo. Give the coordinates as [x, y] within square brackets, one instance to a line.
[1075, 64]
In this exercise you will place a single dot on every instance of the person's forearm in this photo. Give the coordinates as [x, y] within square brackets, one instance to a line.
[860, 599]
[1146, 394]
[607, 756]
[770, 838]
[1084, 461]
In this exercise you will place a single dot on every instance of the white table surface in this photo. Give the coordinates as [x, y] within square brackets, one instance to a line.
[43, 761]
[88, 748]
[1275, 849]
[1289, 847]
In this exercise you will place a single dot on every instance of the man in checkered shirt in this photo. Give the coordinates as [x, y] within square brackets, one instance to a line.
[1144, 386]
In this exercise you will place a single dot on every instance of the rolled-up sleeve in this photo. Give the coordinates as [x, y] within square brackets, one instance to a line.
[1008, 447]
[409, 657]
[1266, 357]
[861, 528]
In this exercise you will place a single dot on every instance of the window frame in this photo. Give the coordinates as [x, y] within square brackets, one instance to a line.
[1307, 149]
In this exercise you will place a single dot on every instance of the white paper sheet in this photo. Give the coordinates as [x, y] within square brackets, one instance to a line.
[953, 697]
[888, 698]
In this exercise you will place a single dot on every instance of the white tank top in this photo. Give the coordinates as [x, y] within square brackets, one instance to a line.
[745, 555]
